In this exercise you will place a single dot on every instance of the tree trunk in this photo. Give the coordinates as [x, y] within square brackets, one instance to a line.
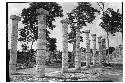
[108, 46]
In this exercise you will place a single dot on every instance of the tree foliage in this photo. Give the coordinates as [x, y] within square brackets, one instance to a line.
[30, 31]
[82, 14]
[111, 49]
[52, 45]
[112, 21]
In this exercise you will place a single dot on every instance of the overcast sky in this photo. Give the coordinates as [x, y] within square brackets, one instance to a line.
[16, 9]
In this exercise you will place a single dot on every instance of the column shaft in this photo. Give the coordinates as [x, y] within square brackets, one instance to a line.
[65, 45]
[14, 38]
[78, 54]
[41, 43]
[100, 50]
[103, 51]
[94, 48]
[87, 48]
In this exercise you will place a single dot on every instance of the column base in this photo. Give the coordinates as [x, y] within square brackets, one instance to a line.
[40, 75]
[12, 69]
[87, 66]
[40, 71]
[78, 68]
[64, 70]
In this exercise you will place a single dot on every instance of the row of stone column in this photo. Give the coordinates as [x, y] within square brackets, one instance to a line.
[41, 45]
[14, 38]
[101, 44]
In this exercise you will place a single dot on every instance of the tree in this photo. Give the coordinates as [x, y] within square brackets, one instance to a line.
[82, 14]
[111, 49]
[51, 45]
[29, 33]
[111, 22]
[79, 16]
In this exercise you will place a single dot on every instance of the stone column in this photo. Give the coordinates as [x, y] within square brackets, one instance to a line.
[94, 48]
[65, 23]
[78, 54]
[14, 38]
[41, 43]
[103, 50]
[87, 48]
[100, 50]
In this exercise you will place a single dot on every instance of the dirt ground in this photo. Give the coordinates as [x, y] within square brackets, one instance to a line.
[103, 74]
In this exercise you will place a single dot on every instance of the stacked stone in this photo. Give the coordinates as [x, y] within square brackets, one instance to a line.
[41, 43]
[100, 50]
[65, 23]
[94, 48]
[78, 54]
[88, 59]
[103, 50]
[14, 38]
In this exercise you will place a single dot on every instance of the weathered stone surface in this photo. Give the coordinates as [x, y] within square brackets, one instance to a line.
[65, 23]
[41, 43]
[14, 38]
[103, 50]
[14, 17]
[94, 48]
[88, 59]
[42, 11]
[78, 55]
[100, 50]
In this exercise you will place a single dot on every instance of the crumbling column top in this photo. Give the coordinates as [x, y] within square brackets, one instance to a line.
[65, 21]
[41, 11]
[103, 39]
[99, 37]
[14, 17]
[93, 34]
[77, 27]
[86, 31]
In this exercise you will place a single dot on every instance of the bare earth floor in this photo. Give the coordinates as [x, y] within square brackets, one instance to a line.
[54, 74]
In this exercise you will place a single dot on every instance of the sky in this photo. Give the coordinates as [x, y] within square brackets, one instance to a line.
[16, 9]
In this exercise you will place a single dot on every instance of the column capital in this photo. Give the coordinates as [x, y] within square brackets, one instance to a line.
[86, 31]
[77, 28]
[93, 35]
[99, 37]
[103, 40]
[65, 21]
[14, 17]
[42, 11]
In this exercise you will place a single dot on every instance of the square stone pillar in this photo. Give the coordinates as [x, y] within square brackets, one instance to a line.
[65, 23]
[100, 50]
[103, 51]
[78, 54]
[94, 48]
[88, 55]
[14, 39]
[41, 43]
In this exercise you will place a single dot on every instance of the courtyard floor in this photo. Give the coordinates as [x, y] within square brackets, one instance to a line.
[107, 74]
